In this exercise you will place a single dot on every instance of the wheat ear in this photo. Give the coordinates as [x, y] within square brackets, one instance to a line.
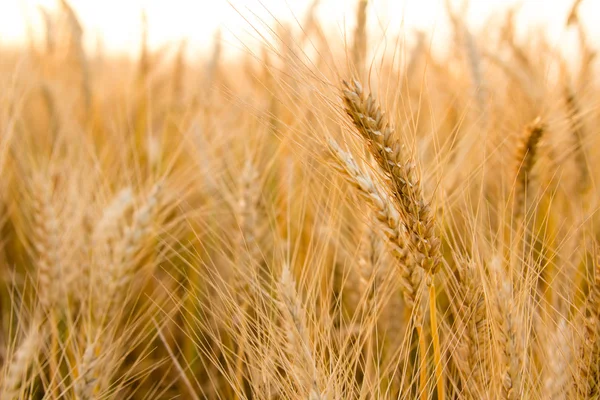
[372, 125]
[16, 369]
[507, 329]
[125, 252]
[588, 379]
[389, 218]
[558, 350]
[46, 242]
[526, 159]
[472, 316]
[359, 48]
[85, 385]
[248, 253]
[390, 154]
[579, 136]
[298, 338]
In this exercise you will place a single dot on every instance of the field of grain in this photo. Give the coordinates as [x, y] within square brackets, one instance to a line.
[325, 217]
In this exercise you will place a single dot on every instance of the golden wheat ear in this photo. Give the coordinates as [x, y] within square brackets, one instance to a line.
[390, 224]
[400, 169]
[404, 182]
[527, 155]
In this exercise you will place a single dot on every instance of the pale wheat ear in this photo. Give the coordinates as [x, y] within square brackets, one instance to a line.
[85, 386]
[559, 359]
[508, 331]
[587, 380]
[474, 326]
[125, 253]
[15, 376]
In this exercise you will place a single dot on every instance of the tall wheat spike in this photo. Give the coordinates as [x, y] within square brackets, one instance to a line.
[527, 155]
[390, 154]
[390, 223]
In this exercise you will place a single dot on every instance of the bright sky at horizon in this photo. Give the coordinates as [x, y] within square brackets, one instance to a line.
[118, 22]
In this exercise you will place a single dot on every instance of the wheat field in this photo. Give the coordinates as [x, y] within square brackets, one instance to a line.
[356, 217]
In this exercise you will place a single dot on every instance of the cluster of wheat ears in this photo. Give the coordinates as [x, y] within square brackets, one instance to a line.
[324, 217]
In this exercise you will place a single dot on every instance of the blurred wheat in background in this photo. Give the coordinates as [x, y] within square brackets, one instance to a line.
[323, 217]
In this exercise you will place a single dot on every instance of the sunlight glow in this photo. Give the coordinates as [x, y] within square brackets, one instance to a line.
[118, 22]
